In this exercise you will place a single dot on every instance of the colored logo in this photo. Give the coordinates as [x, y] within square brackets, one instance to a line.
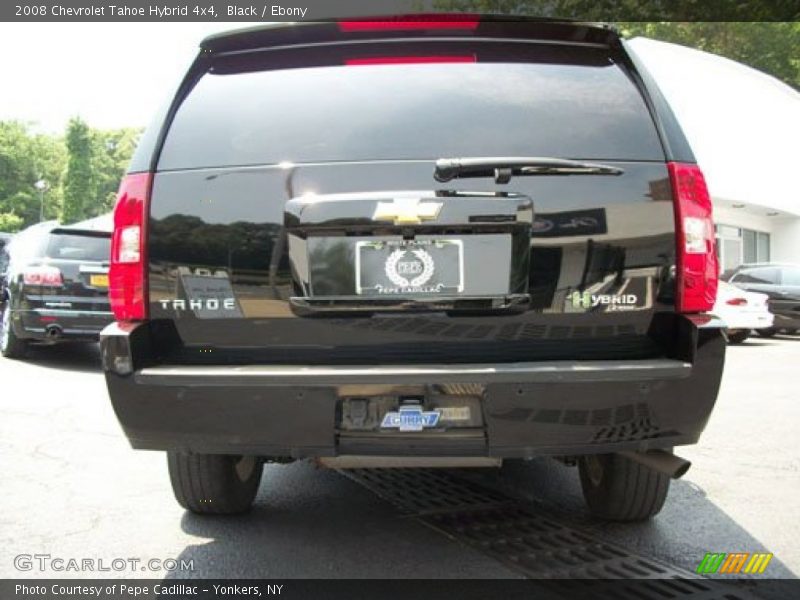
[410, 418]
[407, 211]
[734, 563]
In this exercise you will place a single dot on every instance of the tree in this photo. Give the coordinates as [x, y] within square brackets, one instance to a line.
[112, 153]
[757, 39]
[78, 180]
[10, 222]
[24, 159]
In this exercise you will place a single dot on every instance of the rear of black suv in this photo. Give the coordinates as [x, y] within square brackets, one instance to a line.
[420, 241]
[54, 286]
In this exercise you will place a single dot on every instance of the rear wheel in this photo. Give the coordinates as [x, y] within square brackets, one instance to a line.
[10, 345]
[767, 333]
[737, 336]
[214, 484]
[618, 489]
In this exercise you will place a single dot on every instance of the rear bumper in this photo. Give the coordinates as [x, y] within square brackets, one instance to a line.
[34, 324]
[529, 409]
[787, 320]
[755, 320]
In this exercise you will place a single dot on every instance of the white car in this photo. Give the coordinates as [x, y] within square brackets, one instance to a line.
[742, 311]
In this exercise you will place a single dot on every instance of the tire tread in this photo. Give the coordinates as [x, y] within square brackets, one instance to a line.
[208, 483]
[628, 490]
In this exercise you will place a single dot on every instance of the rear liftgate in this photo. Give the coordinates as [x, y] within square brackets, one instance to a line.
[385, 255]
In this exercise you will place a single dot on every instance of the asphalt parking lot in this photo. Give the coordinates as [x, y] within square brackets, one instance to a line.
[72, 488]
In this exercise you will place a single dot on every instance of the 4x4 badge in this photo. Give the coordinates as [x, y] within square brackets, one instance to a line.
[407, 211]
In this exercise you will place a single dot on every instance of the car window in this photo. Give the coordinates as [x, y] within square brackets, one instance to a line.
[79, 247]
[27, 244]
[790, 276]
[763, 275]
[590, 110]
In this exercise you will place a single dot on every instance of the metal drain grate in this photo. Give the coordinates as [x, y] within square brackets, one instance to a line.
[530, 541]
[425, 491]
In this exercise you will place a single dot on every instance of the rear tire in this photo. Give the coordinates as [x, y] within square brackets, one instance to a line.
[738, 336]
[214, 484]
[618, 489]
[10, 345]
[767, 333]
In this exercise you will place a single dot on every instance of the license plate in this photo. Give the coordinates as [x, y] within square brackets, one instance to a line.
[98, 280]
[409, 267]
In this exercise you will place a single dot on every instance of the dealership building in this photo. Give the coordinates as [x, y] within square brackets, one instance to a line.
[744, 128]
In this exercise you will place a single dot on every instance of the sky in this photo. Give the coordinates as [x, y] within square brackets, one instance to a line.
[110, 74]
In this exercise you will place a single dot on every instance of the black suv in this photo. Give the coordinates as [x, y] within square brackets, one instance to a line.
[781, 282]
[54, 285]
[439, 241]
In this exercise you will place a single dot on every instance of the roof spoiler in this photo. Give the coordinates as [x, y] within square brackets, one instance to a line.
[413, 26]
[84, 232]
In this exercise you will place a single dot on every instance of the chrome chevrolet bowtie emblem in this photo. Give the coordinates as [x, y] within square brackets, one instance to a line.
[407, 211]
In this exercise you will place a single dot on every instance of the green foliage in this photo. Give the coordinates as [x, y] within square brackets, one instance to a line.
[82, 172]
[631, 10]
[24, 159]
[772, 47]
[10, 222]
[79, 178]
[112, 151]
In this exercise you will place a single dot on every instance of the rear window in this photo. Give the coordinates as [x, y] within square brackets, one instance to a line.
[791, 276]
[79, 247]
[769, 275]
[414, 111]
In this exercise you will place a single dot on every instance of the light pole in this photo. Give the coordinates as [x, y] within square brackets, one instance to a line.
[41, 185]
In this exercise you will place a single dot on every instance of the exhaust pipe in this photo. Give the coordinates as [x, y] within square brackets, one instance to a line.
[53, 332]
[661, 461]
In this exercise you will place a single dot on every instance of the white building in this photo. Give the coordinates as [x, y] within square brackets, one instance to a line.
[744, 128]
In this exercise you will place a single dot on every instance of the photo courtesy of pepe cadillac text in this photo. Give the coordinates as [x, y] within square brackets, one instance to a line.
[145, 590]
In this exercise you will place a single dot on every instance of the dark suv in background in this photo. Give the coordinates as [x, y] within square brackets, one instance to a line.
[55, 285]
[781, 282]
[438, 241]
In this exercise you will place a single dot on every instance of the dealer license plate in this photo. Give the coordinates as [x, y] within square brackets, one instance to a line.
[409, 267]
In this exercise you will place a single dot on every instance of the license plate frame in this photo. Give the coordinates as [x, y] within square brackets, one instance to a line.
[410, 267]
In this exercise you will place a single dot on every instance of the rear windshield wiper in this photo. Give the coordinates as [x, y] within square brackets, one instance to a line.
[504, 168]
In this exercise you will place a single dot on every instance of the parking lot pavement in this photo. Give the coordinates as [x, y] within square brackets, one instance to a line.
[72, 488]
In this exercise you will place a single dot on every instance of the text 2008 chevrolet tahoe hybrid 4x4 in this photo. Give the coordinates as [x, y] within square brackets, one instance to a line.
[422, 241]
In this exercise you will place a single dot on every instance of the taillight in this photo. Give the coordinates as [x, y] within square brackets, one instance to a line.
[412, 22]
[697, 270]
[409, 60]
[737, 301]
[44, 275]
[127, 283]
